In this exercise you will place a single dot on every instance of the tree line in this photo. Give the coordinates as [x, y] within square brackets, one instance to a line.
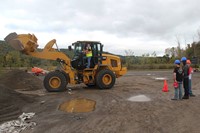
[152, 61]
[12, 58]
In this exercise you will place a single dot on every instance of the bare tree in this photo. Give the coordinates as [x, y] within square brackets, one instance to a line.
[198, 34]
[154, 54]
[129, 57]
[179, 53]
[129, 52]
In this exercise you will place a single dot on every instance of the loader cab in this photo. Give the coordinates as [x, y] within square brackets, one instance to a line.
[79, 60]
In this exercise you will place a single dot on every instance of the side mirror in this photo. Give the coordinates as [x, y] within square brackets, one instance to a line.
[70, 48]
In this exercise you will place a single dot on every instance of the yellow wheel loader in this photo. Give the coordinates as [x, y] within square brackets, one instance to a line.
[103, 71]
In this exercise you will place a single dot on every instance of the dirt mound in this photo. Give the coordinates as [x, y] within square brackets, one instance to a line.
[11, 103]
[21, 80]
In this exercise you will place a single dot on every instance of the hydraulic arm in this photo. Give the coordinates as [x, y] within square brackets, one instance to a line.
[27, 44]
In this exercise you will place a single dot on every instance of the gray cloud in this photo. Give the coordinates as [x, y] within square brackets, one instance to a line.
[144, 19]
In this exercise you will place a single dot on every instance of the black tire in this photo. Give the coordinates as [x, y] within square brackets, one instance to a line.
[55, 82]
[105, 79]
[90, 86]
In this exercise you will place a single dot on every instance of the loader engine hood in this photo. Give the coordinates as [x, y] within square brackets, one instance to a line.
[114, 63]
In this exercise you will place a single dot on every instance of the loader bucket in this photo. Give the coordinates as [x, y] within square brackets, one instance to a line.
[25, 43]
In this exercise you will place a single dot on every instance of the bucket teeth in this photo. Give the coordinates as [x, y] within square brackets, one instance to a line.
[12, 40]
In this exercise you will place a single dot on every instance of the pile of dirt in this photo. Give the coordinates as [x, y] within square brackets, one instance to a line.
[11, 103]
[21, 80]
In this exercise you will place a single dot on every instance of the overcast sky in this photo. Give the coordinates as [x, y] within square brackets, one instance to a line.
[144, 26]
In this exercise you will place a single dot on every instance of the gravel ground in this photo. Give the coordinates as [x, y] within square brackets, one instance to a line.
[118, 109]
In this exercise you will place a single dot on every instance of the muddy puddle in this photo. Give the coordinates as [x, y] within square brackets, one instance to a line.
[139, 98]
[78, 105]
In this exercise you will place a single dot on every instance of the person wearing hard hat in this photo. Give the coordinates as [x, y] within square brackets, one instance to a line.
[88, 52]
[185, 78]
[190, 78]
[177, 80]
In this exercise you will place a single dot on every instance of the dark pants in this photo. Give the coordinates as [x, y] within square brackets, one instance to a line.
[186, 86]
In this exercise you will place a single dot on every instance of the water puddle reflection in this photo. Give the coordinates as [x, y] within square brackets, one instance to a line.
[139, 98]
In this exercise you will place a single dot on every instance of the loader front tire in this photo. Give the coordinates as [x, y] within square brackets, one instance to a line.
[105, 79]
[55, 82]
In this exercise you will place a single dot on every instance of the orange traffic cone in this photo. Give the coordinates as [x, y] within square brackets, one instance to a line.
[165, 87]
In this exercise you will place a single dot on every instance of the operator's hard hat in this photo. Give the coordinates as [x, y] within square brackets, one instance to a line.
[183, 59]
[177, 62]
[188, 62]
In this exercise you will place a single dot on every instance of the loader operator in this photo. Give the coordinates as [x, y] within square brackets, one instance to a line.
[88, 52]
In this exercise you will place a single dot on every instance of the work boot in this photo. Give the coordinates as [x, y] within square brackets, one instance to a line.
[192, 95]
[185, 97]
[174, 99]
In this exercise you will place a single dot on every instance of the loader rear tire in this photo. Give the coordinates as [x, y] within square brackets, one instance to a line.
[55, 82]
[105, 79]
